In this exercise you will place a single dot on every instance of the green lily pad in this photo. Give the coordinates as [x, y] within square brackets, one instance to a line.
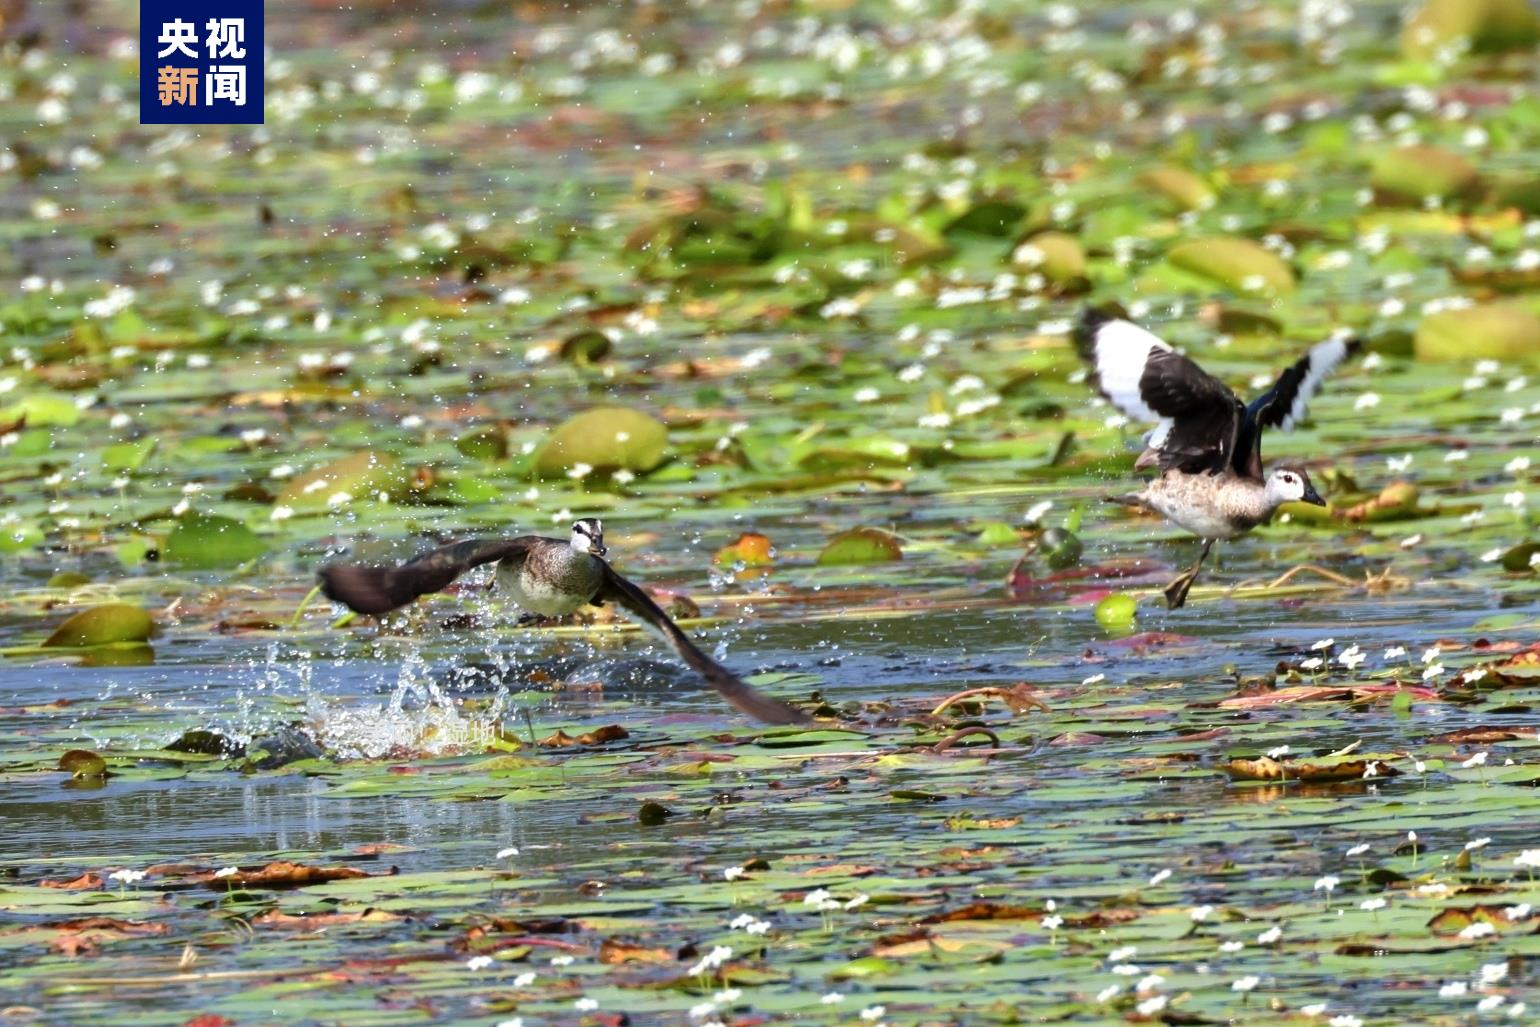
[1497, 331]
[861, 545]
[1116, 612]
[103, 625]
[42, 410]
[1056, 256]
[18, 538]
[1482, 26]
[1183, 188]
[604, 439]
[1411, 174]
[1240, 264]
[203, 540]
[353, 477]
[83, 763]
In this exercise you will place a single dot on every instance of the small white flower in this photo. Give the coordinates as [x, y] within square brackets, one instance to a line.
[871, 1013]
[1245, 984]
[1454, 989]
[1373, 904]
[586, 1005]
[1094, 679]
[126, 876]
[1053, 923]
[1491, 973]
[1159, 876]
[226, 872]
[1477, 843]
[1528, 858]
[1151, 1006]
[1327, 883]
[1347, 1020]
[525, 979]
[1478, 760]
[1479, 929]
[1270, 936]
[1232, 946]
[478, 962]
[512, 850]
[1201, 913]
[832, 998]
[1395, 652]
[1120, 954]
[733, 873]
[562, 960]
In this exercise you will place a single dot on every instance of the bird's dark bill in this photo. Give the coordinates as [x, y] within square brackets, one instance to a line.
[1313, 497]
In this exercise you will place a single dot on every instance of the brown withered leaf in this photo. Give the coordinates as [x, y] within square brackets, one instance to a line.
[614, 952]
[1268, 769]
[81, 883]
[313, 921]
[106, 923]
[283, 874]
[984, 911]
[841, 870]
[1457, 918]
[1480, 736]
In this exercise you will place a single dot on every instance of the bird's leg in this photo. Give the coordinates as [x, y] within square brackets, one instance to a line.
[537, 620]
[1176, 592]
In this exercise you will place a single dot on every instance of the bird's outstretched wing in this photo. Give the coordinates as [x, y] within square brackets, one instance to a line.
[1283, 405]
[1197, 415]
[373, 589]
[739, 695]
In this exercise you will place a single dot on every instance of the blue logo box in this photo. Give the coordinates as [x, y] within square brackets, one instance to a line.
[200, 62]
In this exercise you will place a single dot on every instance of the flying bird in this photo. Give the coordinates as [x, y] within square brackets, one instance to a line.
[1206, 443]
[552, 578]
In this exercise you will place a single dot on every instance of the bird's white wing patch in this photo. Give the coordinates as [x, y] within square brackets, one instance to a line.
[1324, 358]
[1121, 349]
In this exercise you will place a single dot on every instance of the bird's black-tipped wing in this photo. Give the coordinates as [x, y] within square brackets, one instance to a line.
[1197, 415]
[739, 695]
[372, 589]
[1283, 405]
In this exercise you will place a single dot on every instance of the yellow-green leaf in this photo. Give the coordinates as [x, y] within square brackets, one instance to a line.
[103, 625]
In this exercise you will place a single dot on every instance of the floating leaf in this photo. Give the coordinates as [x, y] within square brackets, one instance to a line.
[1411, 174]
[1268, 769]
[103, 625]
[604, 439]
[489, 443]
[203, 541]
[127, 456]
[861, 545]
[42, 410]
[585, 347]
[994, 218]
[360, 476]
[19, 537]
[1520, 557]
[83, 763]
[1116, 612]
[1497, 331]
[1056, 256]
[1240, 264]
[750, 549]
[1183, 188]
[1482, 26]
